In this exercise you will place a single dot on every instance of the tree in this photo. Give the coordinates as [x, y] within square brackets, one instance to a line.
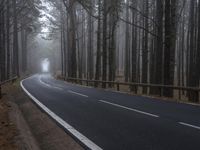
[70, 8]
[158, 64]
[170, 45]
[90, 42]
[99, 39]
[105, 10]
[145, 46]
[127, 46]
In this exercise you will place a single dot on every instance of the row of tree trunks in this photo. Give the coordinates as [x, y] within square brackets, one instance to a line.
[151, 49]
[15, 18]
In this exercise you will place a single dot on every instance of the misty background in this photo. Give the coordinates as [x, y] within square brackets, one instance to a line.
[140, 41]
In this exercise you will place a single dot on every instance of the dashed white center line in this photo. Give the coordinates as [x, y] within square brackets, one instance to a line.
[48, 85]
[77, 93]
[189, 125]
[131, 109]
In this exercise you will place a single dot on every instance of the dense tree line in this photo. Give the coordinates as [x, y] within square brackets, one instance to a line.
[145, 41]
[16, 23]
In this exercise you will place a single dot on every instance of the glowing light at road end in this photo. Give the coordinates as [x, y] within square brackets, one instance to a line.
[45, 65]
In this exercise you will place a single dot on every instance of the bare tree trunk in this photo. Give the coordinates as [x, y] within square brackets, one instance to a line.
[72, 39]
[198, 46]
[145, 47]
[8, 38]
[134, 47]
[159, 45]
[90, 43]
[104, 77]
[98, 58]
[127, 46]
[170, 45]
[3, 46]
[15, 41]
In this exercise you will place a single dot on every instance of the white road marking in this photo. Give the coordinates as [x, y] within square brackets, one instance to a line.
[77, 93]
[189, 125]
[48, 85]
[91, 145]
[131, 109]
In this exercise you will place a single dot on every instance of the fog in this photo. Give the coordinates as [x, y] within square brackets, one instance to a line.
[113, 40]
[88, 61]
[39, 49]
[44, 42]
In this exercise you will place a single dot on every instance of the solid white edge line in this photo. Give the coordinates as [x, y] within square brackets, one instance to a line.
[70, 91]
[189, 125]
[91, 145]
[131, 109]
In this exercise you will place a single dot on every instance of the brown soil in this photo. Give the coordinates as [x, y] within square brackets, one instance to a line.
[24, 126]
[7, 128]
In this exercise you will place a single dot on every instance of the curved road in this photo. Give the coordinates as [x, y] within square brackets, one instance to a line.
[107, 120]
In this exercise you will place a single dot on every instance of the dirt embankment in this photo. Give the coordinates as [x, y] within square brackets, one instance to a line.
[7, 129]
[23, 126]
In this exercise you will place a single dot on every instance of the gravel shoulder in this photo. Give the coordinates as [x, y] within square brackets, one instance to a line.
[24, 126]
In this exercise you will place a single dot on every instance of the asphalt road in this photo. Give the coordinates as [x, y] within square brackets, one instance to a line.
[116, 121]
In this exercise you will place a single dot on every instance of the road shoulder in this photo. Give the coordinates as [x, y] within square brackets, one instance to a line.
[35, 129]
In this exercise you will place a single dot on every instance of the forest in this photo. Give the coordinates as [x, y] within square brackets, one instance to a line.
[139, 41]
